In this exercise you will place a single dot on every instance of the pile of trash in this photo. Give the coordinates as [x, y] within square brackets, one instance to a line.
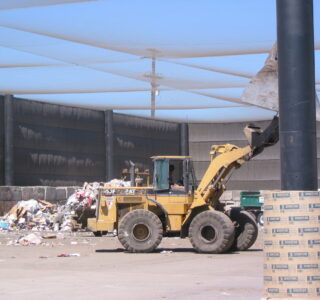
[40, 215]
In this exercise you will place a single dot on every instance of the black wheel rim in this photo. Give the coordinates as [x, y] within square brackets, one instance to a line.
[208, 234]
[140, 232]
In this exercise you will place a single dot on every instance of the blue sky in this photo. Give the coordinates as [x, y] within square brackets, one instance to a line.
[97, 54]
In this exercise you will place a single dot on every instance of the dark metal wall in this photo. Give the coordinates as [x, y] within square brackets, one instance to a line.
[263, 172]
[1, 140]
[137, 139]
[57, 145]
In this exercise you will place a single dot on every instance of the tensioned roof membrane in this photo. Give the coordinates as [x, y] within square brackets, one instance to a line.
[99, 54]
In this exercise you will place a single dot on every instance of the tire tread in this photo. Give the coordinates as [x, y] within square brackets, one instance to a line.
[140, 214]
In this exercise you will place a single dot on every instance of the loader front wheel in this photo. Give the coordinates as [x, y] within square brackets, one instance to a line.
[140, 231]
[211, 232]
[246, 229]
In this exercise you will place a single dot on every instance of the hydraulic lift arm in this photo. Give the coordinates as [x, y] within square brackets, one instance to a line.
[226, 158]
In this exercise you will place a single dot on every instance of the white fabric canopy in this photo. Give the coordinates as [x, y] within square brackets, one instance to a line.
[99, 54]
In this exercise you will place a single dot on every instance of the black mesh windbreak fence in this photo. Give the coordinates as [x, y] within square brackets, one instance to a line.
[137, 139]
[57, 145]
[2, 140]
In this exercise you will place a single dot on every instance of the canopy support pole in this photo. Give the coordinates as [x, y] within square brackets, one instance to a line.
[298, 144]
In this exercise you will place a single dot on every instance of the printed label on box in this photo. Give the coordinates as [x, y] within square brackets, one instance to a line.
[273, 219]
[298, 254]
[299, 218]
[313, 278]
[267, 278]
[287, 278]
[288, 242]
[273, 254]
[280, 267]
[308, 230]
[280, 230]
[290, 206]
[307, 266]
[273, 290]
[298, 291]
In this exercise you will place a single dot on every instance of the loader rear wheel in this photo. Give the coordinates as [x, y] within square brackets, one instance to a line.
[140, 231]
[211, 232]
[260, 219]
[246, 229]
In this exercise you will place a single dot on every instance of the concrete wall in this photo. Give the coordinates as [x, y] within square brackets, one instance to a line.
[261, 173]
[10, 195]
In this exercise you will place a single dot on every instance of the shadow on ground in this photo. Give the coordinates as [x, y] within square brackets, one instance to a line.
[172, 250]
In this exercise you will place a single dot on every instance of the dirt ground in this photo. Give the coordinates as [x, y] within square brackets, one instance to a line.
[104, 271]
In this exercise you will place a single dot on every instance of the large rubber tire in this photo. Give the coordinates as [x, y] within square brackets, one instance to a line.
[246, 229]
[211, 232]
[140, 231]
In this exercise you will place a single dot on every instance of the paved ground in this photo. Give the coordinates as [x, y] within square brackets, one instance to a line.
[104, 271]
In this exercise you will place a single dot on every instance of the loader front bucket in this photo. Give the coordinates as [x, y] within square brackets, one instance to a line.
[259, 139]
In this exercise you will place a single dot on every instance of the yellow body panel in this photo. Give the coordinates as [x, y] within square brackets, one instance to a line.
[175, 222]
[101, 225]
[175, 204]
[108, 207]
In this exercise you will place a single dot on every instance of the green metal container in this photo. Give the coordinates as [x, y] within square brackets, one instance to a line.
[250, 199]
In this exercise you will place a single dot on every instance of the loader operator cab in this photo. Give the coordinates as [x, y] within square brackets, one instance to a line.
[173, 174]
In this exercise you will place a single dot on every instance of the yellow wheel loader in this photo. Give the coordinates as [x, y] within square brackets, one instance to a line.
[175, 205]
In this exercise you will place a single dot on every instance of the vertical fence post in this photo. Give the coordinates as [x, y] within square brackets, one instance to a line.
[108, 116]
[8, 140]
[184, 139]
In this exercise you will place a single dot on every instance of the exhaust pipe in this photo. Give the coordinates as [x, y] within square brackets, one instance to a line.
[132, 165]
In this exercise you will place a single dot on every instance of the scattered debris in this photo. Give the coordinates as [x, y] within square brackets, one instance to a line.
[40, 215]
[166, 251]
[4, 225]
[60, 236]
[43, 256]
[49, 236]
[30, 239]
[69, 255]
